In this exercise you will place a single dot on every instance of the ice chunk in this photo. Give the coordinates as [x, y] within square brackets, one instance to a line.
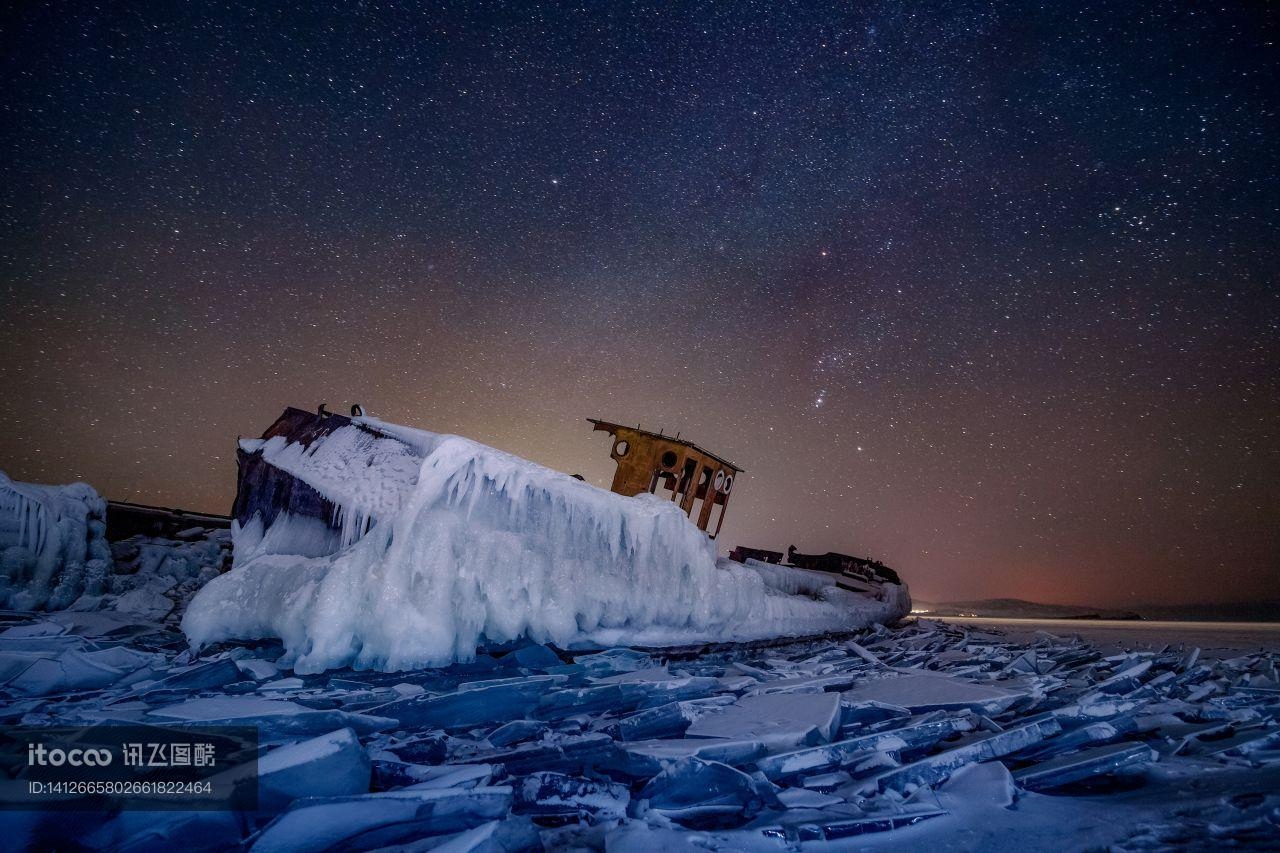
[471, 544]
[1085, 735]
[74, 670]
[638, 837]
[939, 767]
[614, 662]
[825, 757]
[1084, 764]
[203, 676]
[275, 717]
[692, 790]
[428, 748]
[52, 542]
[930, 692]
[535, 656]
[474, 704]
[555, 794]
[804, 829]
[331, 765]
[157, 832]
[779, 721]
[804, 798]
[857, 714]
[585, 700]
[566, 755]
[258, 670]
[516, 731]
[451, 776]
[988, 783]
[645, 758]
[482, 839]
[377, 820]
[669, 720]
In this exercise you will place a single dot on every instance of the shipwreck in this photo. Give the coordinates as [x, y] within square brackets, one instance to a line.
[363, 543]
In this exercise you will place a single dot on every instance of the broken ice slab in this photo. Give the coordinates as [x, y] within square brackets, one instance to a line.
[1125, 680]
[693, 790]
[275, 718]
[378, 820]
[932, 691]
[473, 704]
[516, 731]
[669, 720]
[566, 755]
[533, 657]
[831, 681]
[1096, 707]
[832, 755]
[613, 661]
[1231, 740]
[143, 832]
[657, 685]
[331, 765]
[559, 704]
[855, 715]
[643, 759]
[72, 671]
[1070, 741]
[803, 827]
[826, 782]
[465, 776]
[486, 838]
[545, 794]
[201, 676]
[937, 768]
[803, 798]
[424, 748]
[988, 784]
[779, 721]
[258, 670]
[1084, 764]
[294, 683]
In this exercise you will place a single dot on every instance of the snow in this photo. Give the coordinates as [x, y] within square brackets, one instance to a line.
[53, 544]
[443, 544]
[54, 556]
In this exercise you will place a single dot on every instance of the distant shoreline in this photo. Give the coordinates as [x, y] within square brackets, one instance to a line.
[1139, 622]
[1266, 611]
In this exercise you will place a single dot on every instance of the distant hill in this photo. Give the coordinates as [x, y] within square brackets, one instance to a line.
[1016, 608]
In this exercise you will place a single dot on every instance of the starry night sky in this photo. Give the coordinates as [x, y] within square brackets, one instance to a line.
[987, 291]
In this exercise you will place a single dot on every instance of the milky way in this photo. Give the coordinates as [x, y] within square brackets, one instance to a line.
[985, 291]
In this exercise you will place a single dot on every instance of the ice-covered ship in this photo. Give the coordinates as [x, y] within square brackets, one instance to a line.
[364, 543]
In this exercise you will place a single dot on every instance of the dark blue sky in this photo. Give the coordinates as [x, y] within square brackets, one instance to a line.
[985, 290]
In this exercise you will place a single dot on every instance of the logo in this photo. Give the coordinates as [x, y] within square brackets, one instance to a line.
[39, 755]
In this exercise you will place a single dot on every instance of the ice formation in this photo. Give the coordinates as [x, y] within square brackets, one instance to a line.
[789, 746]
[438, 544]
[53, 545]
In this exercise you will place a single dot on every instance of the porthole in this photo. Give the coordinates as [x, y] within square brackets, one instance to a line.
[728, 484]
[621, 448]
[669, 459]
[719, 481]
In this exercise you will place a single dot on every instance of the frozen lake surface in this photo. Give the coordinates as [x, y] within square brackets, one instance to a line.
[947, 735]
[1212, 637]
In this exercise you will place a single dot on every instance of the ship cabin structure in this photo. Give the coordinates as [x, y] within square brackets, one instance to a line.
[695, 478]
